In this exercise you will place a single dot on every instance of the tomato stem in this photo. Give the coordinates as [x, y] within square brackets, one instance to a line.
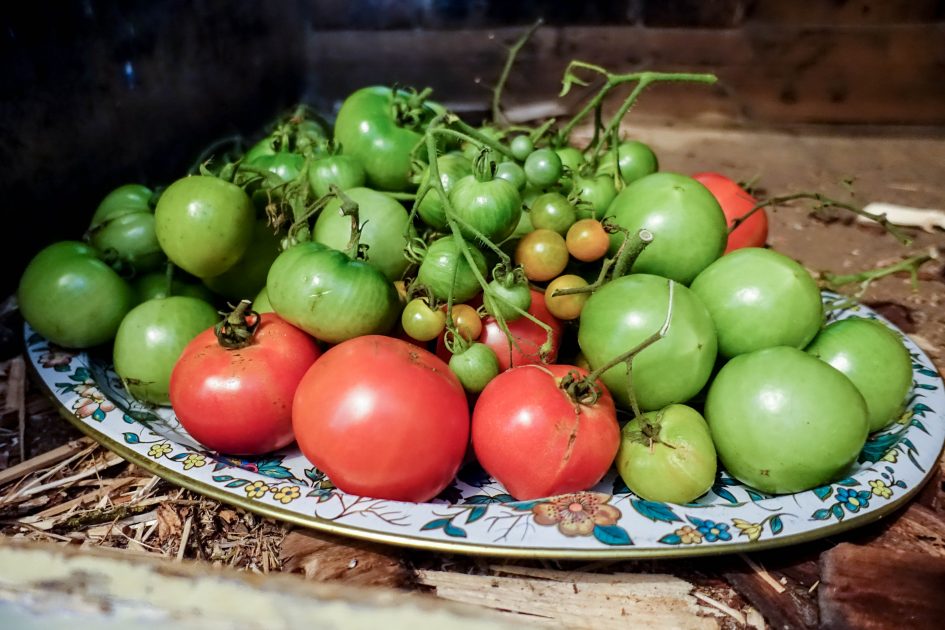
[237, 328]
[498, 117]
[631, 248]
[865, 278]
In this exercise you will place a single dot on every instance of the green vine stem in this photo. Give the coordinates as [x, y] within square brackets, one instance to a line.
[498, 117]
[866, 278]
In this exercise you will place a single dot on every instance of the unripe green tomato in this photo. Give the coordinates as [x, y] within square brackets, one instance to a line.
[508, 296]
[127, 199]
[152, 286]
[596, 193]
[443, 263]
[512, 173]
[492, 207]
[571, 158]
[261, 304]
[784, 421]
[248, 274]
[475, 367]
[552, 211]
[874, 358]
[150, 340]
[132, 239]
[543, 167]
[759, 298]
[344, 171]
[521, 147]
[452, 168]
[635, 159]
[667, 455]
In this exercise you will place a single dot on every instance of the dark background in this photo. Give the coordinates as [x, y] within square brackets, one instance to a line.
[96, 94]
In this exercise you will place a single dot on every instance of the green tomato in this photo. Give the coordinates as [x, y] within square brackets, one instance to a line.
[687, 223]
[72, 298]
[330, 296]
[383, 222]
[443, 262]
[783, 421]
[130, 238]
[262, 304]
[150, 340]
[421, 322]
[595, 193]
[522, 146]
[512, 173]
[287, 166]
[543, 167]
[552, 211]
[452, 167]
[492, 207]
[571, 158]
[204, 224]
[344, 171]
[152, 286]
[263, 147]
[759, 298]
[635, 160]
[626, 311]
[874, 358]
[508, 294]
[248, 274]
[127, 199]
[667, 455]
[475, 367]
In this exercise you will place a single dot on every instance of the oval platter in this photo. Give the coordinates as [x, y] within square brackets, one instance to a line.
[476, 516]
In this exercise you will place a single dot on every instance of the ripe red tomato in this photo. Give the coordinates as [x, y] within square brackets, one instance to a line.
[528, 336]
[382, 418]
[239, 401]
[735, 202]
[543, 443]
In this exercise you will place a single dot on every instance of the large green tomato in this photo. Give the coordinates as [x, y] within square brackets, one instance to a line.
[72, 298]
[248, 274]
[150, 340]
[383, 222]
[329, 295]
[444, 265]
[127, 199]
[626, 311]
[204, 224]
[874, 358]
[783, 421]
[452, 167]
[343, 171]
[687, 223]
[152, 286]
[492, 206]
[759, 298]
[367, 128]
[667, 455]
[131, 239]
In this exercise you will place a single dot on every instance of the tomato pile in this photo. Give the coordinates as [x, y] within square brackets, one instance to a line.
[408, 292]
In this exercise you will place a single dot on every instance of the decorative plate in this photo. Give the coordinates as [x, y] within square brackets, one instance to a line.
[475, 515]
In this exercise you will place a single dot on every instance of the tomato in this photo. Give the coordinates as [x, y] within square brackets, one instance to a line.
[512, 173]
[452, 168]
[344, 171]
[262, 304]
[204, 224]
[511, 294]
[594, 193]
[529, 336]
[383, 222]
[566, 307]
[127, 199]
[475, 367]
[444, 265]
[543, 167]
[784, 421]
[521, 146]
[239, 400]
[735, 202]
[152, 286]
[72, 298]
[543, 255]
[421, 322]
[490, 205]
[571, 158]
[150, 340]
[667, 455]
[759, 298]
[626, 311]
[686, 221]
[467, 321]
[635, 160]
[368, 128]
[283, 164]
[382, 418]
[248, 274]
[543, 443]
[587, 241]
[331, 296]
[552, 211]
[874, 358]
[266, 146]
[130, 238]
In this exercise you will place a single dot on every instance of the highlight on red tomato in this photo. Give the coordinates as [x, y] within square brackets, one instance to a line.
[736, 202]
[528, 337]
[543, 443]
[238, 399]
[382, 418]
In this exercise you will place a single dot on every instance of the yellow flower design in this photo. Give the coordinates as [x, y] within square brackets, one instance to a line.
[286, 494]
[157, 451]
[194, 460]
[880, 488]
[577, 514]
[689, 535]
[891, 456]
[752, 530]
[257, 489]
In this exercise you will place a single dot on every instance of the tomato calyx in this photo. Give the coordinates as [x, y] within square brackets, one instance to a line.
[407, 106]
[237, 328]
[582, 390]
[484, 167]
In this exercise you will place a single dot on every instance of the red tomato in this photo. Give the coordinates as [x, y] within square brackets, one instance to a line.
[735, 203]
[239, 401]
[382, 418]
[528, 336]
[543, 443]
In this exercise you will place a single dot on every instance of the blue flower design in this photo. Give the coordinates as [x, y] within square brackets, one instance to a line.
[713, 531]
[853, 500]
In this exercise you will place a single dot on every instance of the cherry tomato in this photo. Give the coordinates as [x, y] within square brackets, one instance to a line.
[512, 173]
[587, 241]
[239, 400]
[382, 418]
[570, 444]
[475, 367]
[571, 159]
[543, 255]
[759, 298]
[490, 205]
[467, 321]
[444, 265]
[595, 193]
[421, 322]
[522, 146]
[874, 358]
[510, 295]
[784, 421]
[452, 167]
[566, 307]
[735, 202]
[529, 336]
[552, 211]
[635, 160]
[543, 167]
